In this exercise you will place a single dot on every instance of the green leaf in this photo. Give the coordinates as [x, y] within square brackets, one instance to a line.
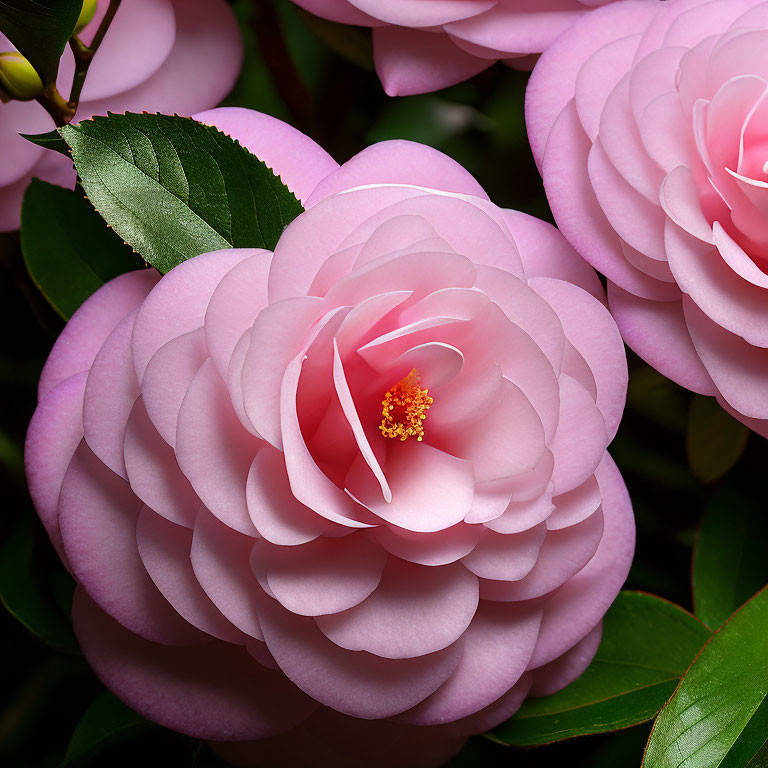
[106, 721]
[729, 561]
[40, 30]
[27, 580]
[718, 716]
[49, 140]
[715, 440]
[67, 247]
[647, 645]
[173, 188]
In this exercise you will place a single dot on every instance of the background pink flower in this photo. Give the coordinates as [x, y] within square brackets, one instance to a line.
[650, 125]
[257, 560]
[168, 56]
[425, 45]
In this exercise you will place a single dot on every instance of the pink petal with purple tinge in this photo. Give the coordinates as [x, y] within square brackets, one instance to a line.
[54, 433]
[323, 576]
[204, 691]
[164, 550]
[98, 515]
[88, 329]
[353, 682]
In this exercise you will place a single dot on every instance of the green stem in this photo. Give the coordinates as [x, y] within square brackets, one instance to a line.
[52, 101]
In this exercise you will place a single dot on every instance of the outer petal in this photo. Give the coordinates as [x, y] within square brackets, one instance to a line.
[410, 61]
[88, 329]
[54, 433]
[206, 691]
[98, 515]
[656, 331]
[578, 606]
[352, 682]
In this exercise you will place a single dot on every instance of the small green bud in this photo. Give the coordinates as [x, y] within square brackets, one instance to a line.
[18, 78]
[86, 14]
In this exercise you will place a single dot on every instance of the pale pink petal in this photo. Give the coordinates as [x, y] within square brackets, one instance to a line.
[414, 611]
[423, 13]
[177, 305]
[726, 298]
[546, 253]
[578, 606]
[576, 505]
[204, 691]
[521, 516]
[154, 473]
[581, 437]
[20, 155]
[340, 11]
[234, 305]
[295, 158]
[578, 214]
[399, 162]
[214, 451]
[593, 332]
[275, 512]
[416, 505]
[327, 575]
[436, 548]
[506, 557]
[352, 682]
[525, 26]
[497, 648]
[164, 550]
[508, 440]
[221, 561]
[679, 195]
[167, 378]
[98, 515]
[88, 329]
[411, 61]
[738, 369]
[311, 238]
[565, 552]
[275, 339]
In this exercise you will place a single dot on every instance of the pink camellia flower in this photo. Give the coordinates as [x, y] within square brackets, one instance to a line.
[354, 492]
[650, 124]
[425, 45]
[170, 56]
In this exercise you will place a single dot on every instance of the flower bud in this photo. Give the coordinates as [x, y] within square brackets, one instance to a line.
[86, 14]
[18, 78]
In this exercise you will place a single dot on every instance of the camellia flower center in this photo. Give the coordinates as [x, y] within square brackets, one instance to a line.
[404, 408]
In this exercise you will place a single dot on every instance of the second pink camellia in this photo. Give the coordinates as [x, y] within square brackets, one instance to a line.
[349, 502]
[650, 124]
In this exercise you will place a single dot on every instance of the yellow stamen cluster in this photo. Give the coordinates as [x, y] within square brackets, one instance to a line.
[404, 408]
